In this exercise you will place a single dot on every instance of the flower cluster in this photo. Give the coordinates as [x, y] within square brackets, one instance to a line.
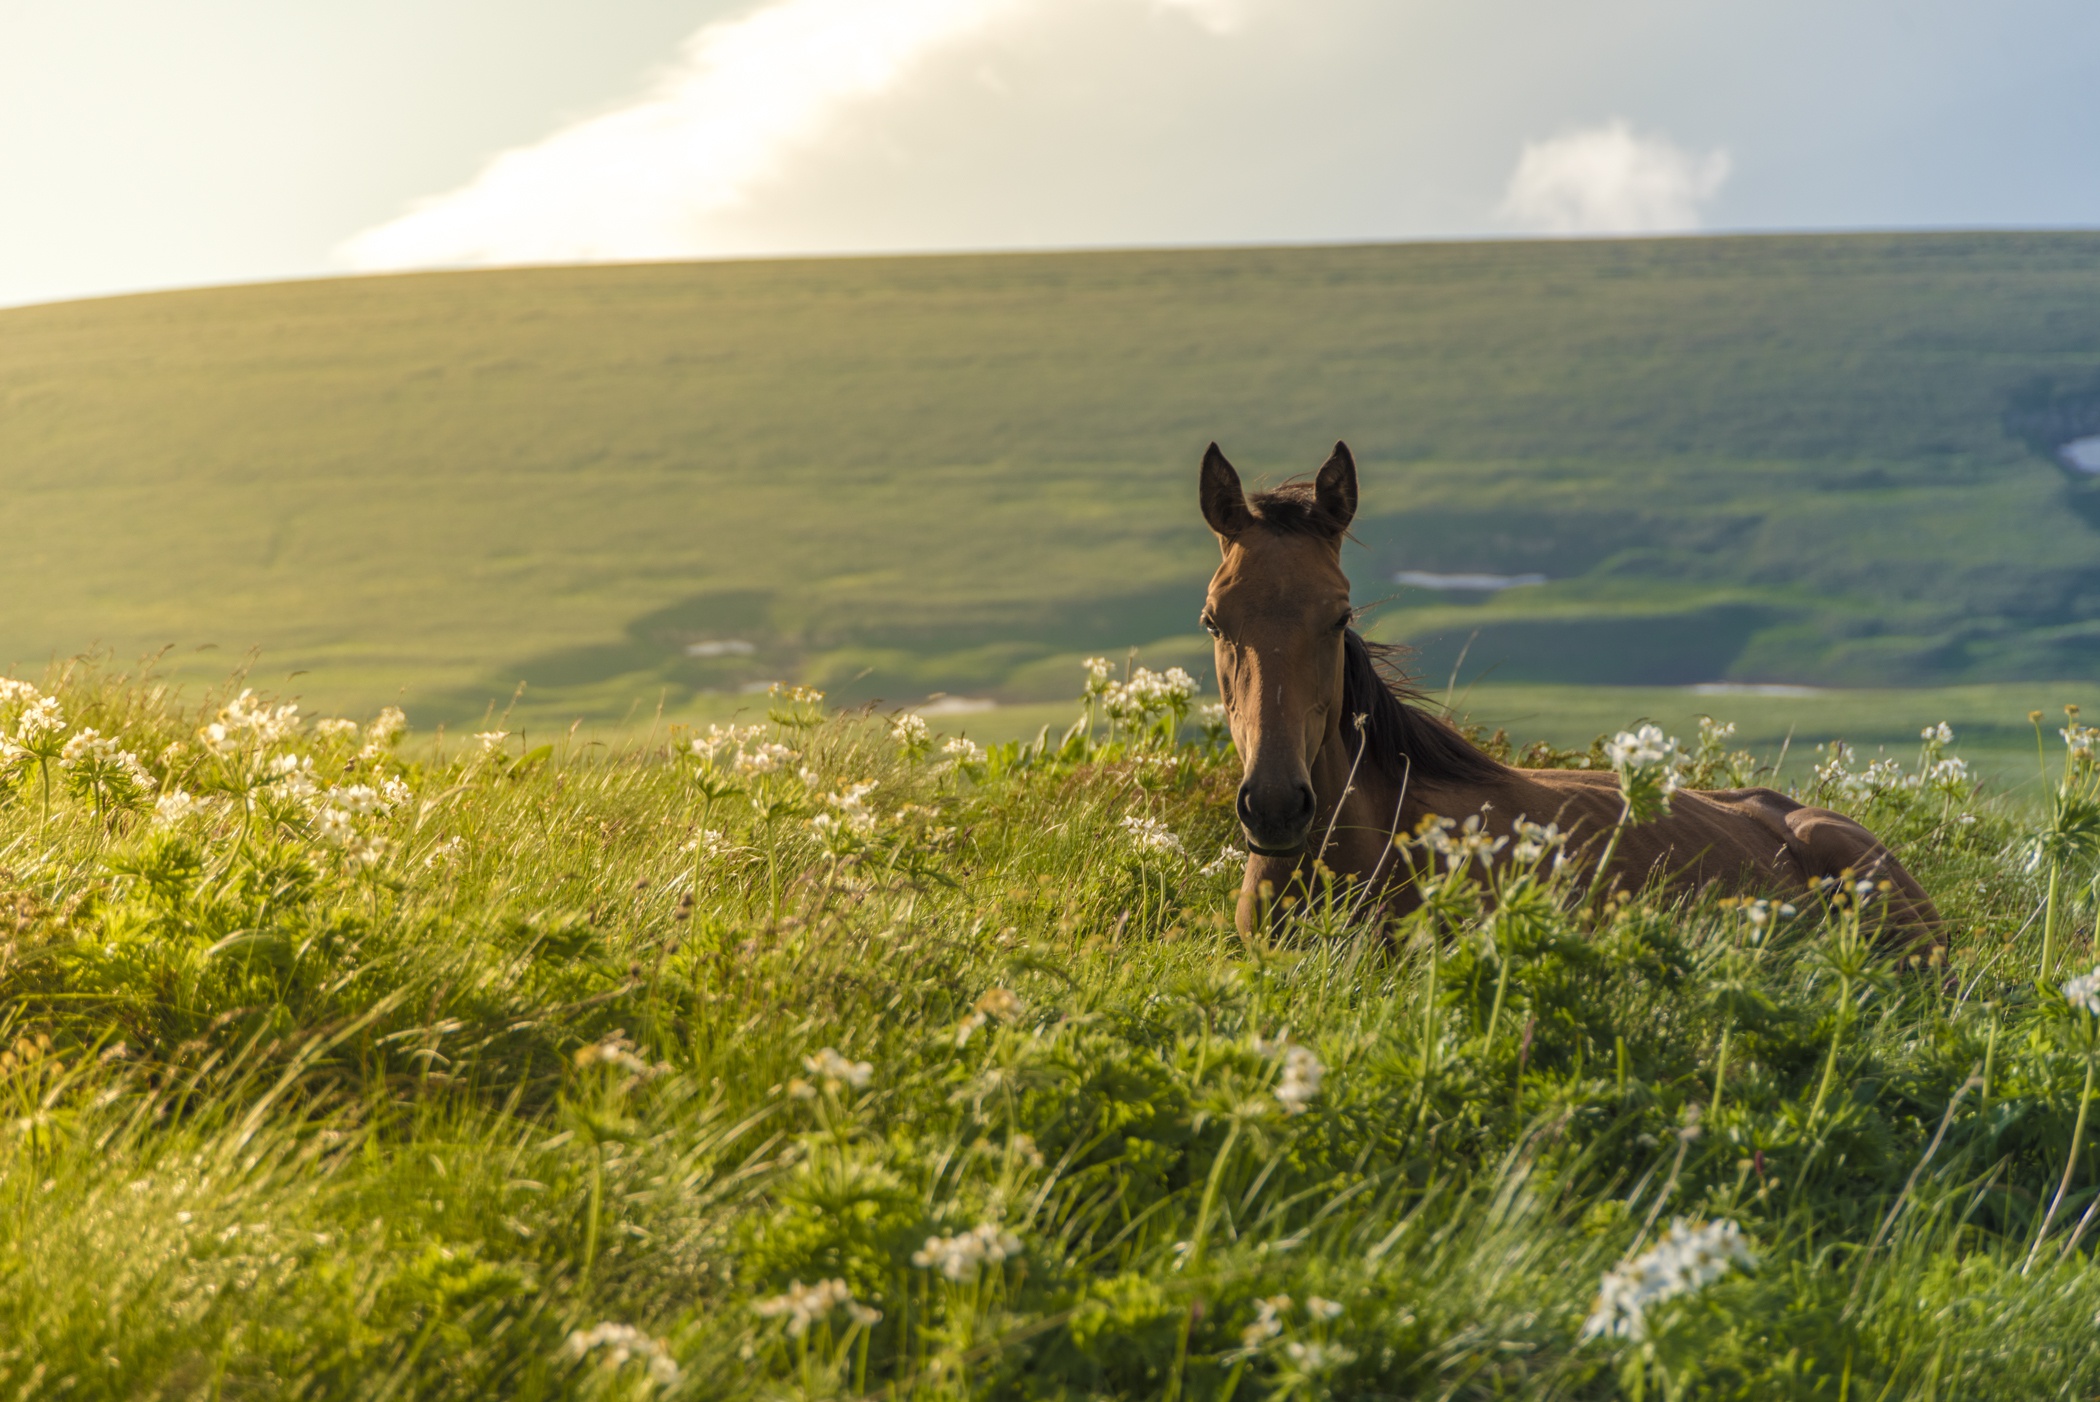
[1759, 912]
[1147, 696]
[1267, 1323]
[1228, 857]
[1458, 845]
[2083, 992]
[1535, 840]
[1690, 1257]
[336, 812]
[1650, 766]
[40, 727]
[99, 766]
[912, 734]
[247, 721]
[1936, 772]
[2081, 741]
[1299, 1080]
[724, 740]
[836, 1070]
[623, 1343]
[803, 1305]
[958, 1257]
[1151, 836]
[851, 816]
[381, 734]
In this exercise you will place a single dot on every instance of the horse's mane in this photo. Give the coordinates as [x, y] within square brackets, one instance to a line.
[1404, 743]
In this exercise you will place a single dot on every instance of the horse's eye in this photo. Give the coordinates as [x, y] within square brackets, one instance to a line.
[1342, 624]
[1210, 625]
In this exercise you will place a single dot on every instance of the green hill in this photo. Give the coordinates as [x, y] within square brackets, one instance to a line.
[1790, 459]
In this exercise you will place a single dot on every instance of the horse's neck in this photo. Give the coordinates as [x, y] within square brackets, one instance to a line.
[1359, 809]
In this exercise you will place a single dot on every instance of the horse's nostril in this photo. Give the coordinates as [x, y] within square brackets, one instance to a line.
[1306, 802]
[1245, 805]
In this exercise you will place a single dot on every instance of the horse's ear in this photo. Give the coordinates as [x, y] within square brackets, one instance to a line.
[1224, 504]
[1335, 488]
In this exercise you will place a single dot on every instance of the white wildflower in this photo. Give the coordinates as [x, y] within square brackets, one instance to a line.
[248, 721]
[13, 692]
[1100, 675]
[708, 843]
[174, 806]
[765, 759]
[833, 1068]
[621, 1344]
[446, 852]
[615, 1050]
[2083, 992]
[1759, 913]
[958, 1257]
[1299, 1080]
[491, 740]
[1315, 1357]
[336, 728]
[98, 763]
[356, 799]
[334, 827]
[1228, 857]
[963, 752]
[1691, 1256]
[1535, 840]
[853, 812]
[1147, 695]
[361, 853]
[381, 734]
[293, 778]
[1266, 1325]
[1152, 836]
[1322, 1309]
[1941, 734]
[911, 733]
[803, 1305]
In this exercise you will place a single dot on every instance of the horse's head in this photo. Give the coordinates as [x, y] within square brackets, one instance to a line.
[1279, 609]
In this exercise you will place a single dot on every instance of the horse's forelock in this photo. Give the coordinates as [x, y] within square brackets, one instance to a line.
[1294, 509]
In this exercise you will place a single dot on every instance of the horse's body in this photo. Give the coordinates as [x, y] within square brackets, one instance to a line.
[1321, 785]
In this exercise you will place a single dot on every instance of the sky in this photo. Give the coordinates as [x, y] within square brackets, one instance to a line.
[146, 145]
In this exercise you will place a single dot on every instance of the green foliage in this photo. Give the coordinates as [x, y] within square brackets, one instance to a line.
[819, 1059]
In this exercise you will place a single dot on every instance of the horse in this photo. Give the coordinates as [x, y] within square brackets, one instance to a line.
[1339, 755]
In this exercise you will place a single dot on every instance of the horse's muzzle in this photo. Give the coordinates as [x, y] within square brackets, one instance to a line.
[1277, 818]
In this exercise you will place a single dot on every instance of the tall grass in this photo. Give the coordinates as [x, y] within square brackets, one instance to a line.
[466, 1067]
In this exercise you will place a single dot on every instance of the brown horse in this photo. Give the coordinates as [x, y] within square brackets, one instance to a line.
[1337, 758]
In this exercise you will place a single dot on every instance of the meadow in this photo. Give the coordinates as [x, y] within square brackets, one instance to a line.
[1815, 460]
[830, 1057]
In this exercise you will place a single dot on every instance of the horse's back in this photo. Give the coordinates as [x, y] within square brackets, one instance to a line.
[1830, 846]
[1750, 840]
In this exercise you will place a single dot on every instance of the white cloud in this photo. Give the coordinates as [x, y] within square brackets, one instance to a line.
[679, 172]
[1608, 179]
[641, 181]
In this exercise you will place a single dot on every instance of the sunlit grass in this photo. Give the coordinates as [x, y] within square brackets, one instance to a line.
[820, 1059]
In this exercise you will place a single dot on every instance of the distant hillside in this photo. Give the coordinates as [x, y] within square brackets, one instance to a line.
[1799, 459]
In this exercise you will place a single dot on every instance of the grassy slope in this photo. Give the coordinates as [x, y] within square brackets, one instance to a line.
[353, 1143]
[1774, 458]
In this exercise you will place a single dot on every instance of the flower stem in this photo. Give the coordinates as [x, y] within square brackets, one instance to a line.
[2049, 918]
[2063, 1185]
